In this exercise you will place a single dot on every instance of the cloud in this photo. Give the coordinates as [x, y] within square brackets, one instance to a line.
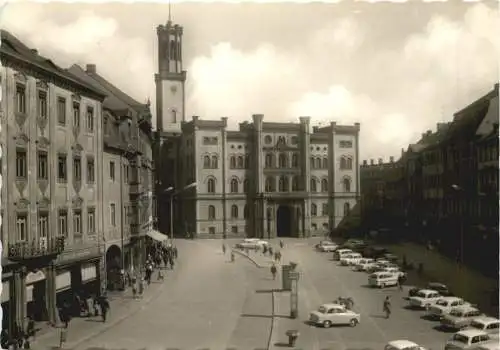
[339, 71]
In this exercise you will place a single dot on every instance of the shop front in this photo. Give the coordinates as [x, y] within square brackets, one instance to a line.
[36, 297]
[89, 279]
[64, 294]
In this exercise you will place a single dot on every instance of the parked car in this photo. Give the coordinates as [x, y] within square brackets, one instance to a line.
[424, 298]
[251, 243]
[494, 345]
[362, 264]
[340, 253]
[467, 339]
[487, 324]
[403, 345]
[438, 287]
[330, 314]
[382, 279]
[444, 305]
[350, 259]
[391, 257]
[460, 317]
[327, 247]
[394, 269]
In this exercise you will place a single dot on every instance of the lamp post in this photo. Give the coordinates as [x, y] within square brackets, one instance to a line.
[170, 189]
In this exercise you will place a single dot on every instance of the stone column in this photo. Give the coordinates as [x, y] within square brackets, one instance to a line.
[305, 169]
[332, 166]
[50, 293]
[20, 297]
[260, 209]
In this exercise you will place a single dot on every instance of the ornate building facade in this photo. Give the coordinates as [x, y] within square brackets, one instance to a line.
[264, 180]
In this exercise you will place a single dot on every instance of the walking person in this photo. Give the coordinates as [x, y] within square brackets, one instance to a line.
[104, 308]
[274, 270]
[232, 257]
[141, 286]
[223, 249]
[387, 307]
[95, 304]
[282, 244]
[401, 280]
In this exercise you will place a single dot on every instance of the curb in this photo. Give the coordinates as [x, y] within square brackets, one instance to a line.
[273, 322]
[248, 257]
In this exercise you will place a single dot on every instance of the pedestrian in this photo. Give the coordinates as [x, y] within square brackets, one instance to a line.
[274, 270]
[271, 251]
[175, 252]
[264, 250]
[223, 248]
[141, 286]
[160, 276]
[401, 280]
[232, 257]
[282, 244]
[104, 308]
[279, 256]
[387, 307]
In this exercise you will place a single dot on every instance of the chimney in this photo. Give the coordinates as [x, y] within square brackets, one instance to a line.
[372, 162]
[365, 162]
[391, 159]
[34, 51]
[380, 161]
[91, 68]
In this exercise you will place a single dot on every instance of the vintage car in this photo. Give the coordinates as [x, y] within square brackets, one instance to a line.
[252, 243]
[487, 324]
[460, 317]
[382, 279]
[467, 339]
[350, 259]
[444, 305]
[330, 314]
[403, 345]
[438, 287]
[424, 298]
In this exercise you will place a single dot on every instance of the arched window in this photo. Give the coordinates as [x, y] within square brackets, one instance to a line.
[206, 162]
[324, 185]
[173, 114]
[232, 162]
[313, 164]
[240, 162]
[269, 160]
[283, 161]
[234, 211]
[325, 163]
[295, 160]
[314, 185]
[347, 209]
[314, 209]
[295, 183]
[173, 51]
[270, 183]
[215, 162]
[245, 212]
[246, 186]
[211, 212]
[343, 163]
[234, 186]
[247, 161]
[318, 163]
[349, 163]
[211, 186]
[347, 184]
[283, 184]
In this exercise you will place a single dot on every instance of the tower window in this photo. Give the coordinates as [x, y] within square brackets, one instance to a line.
[173, 50]
[174, 115]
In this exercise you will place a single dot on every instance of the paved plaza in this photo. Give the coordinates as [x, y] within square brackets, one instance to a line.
[207, 302]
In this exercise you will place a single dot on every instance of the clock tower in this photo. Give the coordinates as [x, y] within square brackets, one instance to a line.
[170, 80]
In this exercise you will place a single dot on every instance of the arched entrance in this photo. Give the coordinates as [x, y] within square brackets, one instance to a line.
[284, 221]
[113, 268]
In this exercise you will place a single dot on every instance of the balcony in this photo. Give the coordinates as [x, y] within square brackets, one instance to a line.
[36, 250]
[136, 189]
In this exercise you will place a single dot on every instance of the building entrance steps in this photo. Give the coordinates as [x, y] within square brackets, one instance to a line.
[122, 305]
[463, 281]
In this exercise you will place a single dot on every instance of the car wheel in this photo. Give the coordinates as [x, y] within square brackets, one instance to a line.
[327, 324]
[353, 322]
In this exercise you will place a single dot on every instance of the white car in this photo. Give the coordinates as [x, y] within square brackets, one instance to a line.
[327, 248]
[252, 243]
[494, 345]
[350, 259]
[365, 267]
[330, 314]
[403, 345]
[487, 324]
[382, 279]
[362, 264]
[394, 270]
[444, 305]
[424, 298]
[467, 339]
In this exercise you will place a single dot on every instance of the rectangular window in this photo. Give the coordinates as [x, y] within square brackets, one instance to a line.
[63, 223]
[77, 222]
[43, 225]
[125, 171]
[324, 210]
[20, 98]
[77, 169]
[21, 163]
[22, 227]
[90, 170]
[61, 110]
[211, 230]
[234, 229]
[42, 104]
[112, 171]
[43, 166]
[105, 125]
[112, 214]
[345, 144]
[91, 220]
[76, 115]
[90, 119]
[62, 168]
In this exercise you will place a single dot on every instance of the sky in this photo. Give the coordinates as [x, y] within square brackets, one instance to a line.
[398, 69]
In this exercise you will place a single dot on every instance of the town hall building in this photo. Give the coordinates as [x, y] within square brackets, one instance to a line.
[266, 180]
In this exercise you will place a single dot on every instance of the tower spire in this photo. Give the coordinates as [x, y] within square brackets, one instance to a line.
[169, 11]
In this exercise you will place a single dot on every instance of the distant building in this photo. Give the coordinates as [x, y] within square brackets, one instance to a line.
[264, 180]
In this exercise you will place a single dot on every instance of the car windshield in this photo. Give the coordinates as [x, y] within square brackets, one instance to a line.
[322, 309]
[421, 295]
[477, 325]
[442, 302]
[457, 313]
[460, 338]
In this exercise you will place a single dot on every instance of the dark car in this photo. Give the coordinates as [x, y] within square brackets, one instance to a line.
[438, 287]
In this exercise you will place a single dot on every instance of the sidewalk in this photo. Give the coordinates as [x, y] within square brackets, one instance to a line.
[463, 281]
[81, 329]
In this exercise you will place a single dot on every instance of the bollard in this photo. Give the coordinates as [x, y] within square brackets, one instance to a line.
[292, 337]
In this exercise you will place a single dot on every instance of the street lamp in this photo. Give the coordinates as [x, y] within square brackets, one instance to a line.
[170, 189]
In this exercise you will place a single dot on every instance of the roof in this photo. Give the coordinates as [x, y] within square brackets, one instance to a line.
[428, 291]
[402, 344]
[470, 332]
[486, 319]
[13, 48]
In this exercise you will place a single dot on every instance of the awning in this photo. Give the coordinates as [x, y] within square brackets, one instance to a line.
[157, 236]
